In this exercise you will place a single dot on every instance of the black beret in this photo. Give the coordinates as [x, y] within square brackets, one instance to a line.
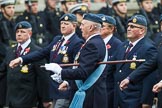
[23, 25]
[92, 17]
[108, 19]
[138, 19]
[68, 17]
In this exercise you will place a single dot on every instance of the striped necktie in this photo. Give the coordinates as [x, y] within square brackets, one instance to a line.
[18, 51]
[128, 50]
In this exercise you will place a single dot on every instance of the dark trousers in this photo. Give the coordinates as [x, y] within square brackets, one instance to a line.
[159, 99]
[1, 106]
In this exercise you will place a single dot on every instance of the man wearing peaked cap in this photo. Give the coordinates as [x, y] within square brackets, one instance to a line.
[79, 8]
[112, 43]
[66, 4]
[27, 1]
[36, 18]
[7, 23]
[118, 1]
[120, 15]
[7, 2]
[7, 39]
[147, 9]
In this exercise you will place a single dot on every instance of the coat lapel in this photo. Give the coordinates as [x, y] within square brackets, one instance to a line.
[132, 52]
[135, 48]
[122, 53]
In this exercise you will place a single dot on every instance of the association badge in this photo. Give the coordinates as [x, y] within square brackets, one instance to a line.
[133, 64]
[103, 19]
[66, 18]
[65, 58]
[25, 69]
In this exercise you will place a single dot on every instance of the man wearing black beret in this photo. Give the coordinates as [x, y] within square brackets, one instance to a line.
[137, 47]
[112, 43]
[90, 80]
[36, 18]
[61, 50]
[23, 82]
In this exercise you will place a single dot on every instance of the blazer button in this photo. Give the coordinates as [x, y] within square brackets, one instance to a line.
[120, 70]
[118, 82]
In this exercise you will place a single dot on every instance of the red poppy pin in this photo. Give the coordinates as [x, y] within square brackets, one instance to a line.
[26, 50]
[108, 46]
[67, 42]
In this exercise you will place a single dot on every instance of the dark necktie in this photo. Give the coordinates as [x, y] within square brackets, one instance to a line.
[128, 50]
[18, 51]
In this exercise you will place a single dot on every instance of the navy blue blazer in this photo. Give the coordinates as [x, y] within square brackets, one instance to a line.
[114, 44]
[130, 97]
[111, 46]
[23, 82]
[73, 45]
[91, 53]
[147, 68]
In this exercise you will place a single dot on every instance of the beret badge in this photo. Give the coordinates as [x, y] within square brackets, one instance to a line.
[103, 19]
[134, 20]
[66, 18]
[20, 26]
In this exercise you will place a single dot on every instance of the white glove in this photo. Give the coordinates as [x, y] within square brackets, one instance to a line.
[54, 67]
[57, 78]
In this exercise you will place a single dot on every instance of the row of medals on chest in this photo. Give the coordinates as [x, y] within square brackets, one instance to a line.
[62, 50]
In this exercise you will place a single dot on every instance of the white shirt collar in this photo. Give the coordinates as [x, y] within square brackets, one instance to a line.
[106, 40]
[92, 36]
[24, 45]
[134, 43]
[67, 37]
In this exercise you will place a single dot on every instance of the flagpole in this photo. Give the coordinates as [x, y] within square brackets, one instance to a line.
[108, 62]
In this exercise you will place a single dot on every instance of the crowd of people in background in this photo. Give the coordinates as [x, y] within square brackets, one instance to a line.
[73, 33]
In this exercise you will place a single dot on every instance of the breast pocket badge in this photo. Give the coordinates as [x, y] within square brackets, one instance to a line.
[25, 69]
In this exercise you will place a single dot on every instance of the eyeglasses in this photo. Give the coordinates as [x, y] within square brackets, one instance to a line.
[133, 26]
